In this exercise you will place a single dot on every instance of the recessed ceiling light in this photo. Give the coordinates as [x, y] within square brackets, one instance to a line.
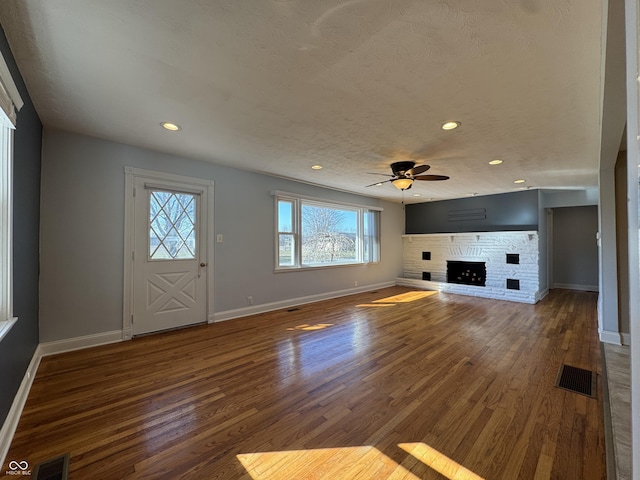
[495, 162]
[519, 181]
[417, 195]
[316, 167]
[173, 127]
[450, 125]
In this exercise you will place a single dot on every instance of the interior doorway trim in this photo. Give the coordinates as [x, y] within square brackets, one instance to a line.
[130, 177]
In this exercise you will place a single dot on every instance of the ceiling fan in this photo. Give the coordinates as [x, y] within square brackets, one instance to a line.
[404, 174]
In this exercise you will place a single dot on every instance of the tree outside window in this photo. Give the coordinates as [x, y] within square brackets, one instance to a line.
[328, 235]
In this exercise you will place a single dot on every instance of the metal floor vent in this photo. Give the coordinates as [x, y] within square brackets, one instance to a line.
[53, 469]
[577, 380]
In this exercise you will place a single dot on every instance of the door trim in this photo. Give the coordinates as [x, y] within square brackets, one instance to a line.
[130, 176]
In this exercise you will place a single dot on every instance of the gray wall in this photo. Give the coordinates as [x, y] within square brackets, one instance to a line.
[613, 119]
[575, 249]
[489, 213]
[633, 261]
[82, 231]
[543, 247]
[569, 198]
[17, 348]
[622, 239]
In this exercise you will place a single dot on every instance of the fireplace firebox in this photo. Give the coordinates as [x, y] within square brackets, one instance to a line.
[466, 273]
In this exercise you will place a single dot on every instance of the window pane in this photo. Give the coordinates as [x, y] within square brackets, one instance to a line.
[286, 250]
[371, 239]
[172, 218]
[329, 235]
[285, 216]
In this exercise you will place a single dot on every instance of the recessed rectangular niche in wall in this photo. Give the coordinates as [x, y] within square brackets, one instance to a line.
[513, 284]
[467, 215]
[426, 276]
[513, 258]
[426, 255]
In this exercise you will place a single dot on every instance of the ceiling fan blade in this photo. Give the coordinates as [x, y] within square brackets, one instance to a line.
[419, 169]
[383, 174]
[431, 178]
[378, 183]
[401, 168]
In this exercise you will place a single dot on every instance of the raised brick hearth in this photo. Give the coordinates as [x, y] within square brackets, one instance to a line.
[511, 260]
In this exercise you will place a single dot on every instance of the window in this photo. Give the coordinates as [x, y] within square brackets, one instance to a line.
[172, 225]
[315, 233]
[10, 103]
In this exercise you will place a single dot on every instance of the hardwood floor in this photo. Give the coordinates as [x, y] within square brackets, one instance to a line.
[396, 384]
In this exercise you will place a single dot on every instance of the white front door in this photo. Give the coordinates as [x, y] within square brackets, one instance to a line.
[169, 260]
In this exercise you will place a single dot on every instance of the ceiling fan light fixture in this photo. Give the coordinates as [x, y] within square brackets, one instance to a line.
[402, 183]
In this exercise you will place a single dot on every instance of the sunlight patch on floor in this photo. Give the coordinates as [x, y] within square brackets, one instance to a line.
[376, 305]
[343, 463]
[439, 462]
[307, 327]
[346, 463]
[407, 297]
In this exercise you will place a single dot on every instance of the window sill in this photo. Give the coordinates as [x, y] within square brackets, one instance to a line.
[320, 267]
[6, 326]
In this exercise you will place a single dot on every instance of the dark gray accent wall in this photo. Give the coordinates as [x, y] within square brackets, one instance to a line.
[490, 213]
[575, 248]
[17, 348]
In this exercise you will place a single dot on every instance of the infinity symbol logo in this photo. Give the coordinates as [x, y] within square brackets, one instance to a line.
[23, 465]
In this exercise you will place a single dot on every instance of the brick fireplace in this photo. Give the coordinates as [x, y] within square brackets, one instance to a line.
[509, 263]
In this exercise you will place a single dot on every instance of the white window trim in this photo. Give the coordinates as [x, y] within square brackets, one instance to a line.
[10, 103]
[297, 200]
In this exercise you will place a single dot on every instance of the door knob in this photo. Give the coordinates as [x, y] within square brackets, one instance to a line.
[203, 264]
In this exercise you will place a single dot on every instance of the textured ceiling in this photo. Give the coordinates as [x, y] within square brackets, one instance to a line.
[276, 86]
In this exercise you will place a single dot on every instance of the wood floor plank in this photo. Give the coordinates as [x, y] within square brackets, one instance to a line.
[332, 390]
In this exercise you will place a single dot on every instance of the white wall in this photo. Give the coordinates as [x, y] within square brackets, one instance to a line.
[82, 234]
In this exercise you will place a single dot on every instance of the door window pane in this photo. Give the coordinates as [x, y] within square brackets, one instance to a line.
[172, 225]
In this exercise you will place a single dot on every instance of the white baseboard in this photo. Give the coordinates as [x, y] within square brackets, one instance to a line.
[541, 294]
[77, 343]
[582, 288]
[292, 302]
[607, 336]
[44, 349]
[13, 417]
